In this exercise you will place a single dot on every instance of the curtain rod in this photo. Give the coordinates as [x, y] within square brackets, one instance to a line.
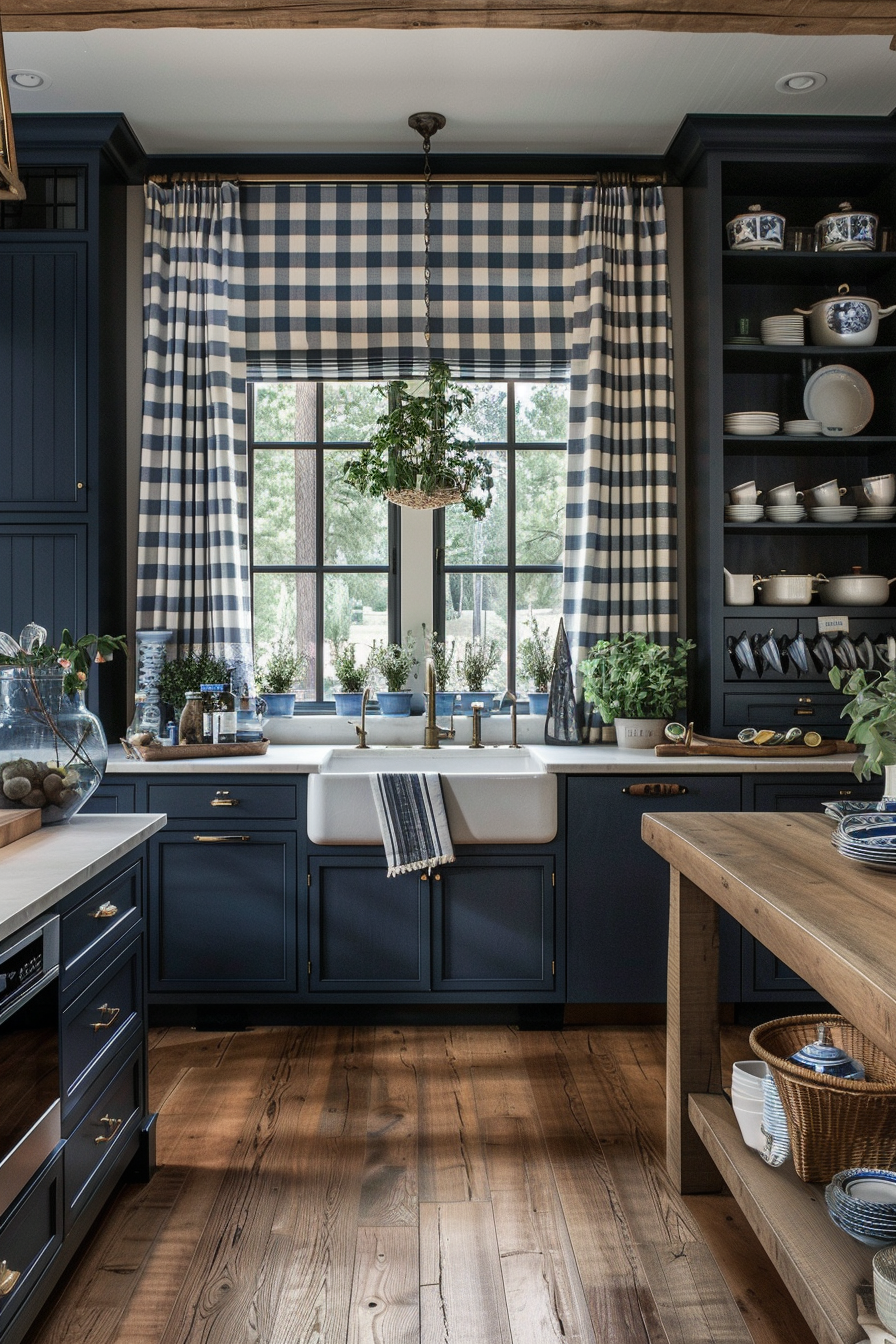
[615, 179]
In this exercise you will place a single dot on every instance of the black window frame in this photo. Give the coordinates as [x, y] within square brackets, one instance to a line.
[392, 568]
[511, 569]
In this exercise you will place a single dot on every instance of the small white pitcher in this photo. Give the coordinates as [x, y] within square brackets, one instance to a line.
[739, 590]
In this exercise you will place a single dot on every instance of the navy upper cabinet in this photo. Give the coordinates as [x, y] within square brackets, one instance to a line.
[618, 888]
[45, 576]
[43, 325]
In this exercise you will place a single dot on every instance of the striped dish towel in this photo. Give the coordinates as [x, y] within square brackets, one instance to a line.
[413, 821]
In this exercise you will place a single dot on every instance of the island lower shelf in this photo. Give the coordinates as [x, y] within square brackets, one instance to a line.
[820, 1265]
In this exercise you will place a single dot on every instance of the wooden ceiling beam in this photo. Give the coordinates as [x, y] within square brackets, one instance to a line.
[784, 17]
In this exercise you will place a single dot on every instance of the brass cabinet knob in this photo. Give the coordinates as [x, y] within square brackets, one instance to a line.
[114, 1126]
[105, 911]
[111, 1014]
[8, 1278]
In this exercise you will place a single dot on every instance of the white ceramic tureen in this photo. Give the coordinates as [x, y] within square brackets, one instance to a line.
[757, 230]
[846, 230]
[846, 319]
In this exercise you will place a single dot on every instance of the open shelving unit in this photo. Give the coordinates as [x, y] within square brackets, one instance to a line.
[729, 169]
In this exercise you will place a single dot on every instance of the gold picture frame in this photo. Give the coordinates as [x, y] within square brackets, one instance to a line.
[11, 188]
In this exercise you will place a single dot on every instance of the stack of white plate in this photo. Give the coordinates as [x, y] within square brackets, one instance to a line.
[862, 1201]
[785, 513]
[744, 340]
[747, 1100]
[877, 513]
[752, 422]
[788, 329]
[868, 838]
[834, 513]
[743, 513]
[802, 426]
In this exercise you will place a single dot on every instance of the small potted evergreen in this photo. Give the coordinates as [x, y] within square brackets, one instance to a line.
[394, 663]
[637, 685]
[535, 659]
[187, 674]
[442, 655]
[278, 674]
[350, 675]
[480, 658]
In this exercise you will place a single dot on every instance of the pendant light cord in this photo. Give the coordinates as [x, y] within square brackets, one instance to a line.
[427, 212]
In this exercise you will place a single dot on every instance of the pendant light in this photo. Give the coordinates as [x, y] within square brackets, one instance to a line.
[11, 188]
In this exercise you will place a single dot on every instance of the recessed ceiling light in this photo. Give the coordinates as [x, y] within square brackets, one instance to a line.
[29, 79]
[804, 81]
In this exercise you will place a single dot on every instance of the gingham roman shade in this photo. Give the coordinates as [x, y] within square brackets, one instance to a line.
[334, 279]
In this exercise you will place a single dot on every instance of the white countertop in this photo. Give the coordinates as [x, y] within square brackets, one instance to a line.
[39, 870]
[572, 760]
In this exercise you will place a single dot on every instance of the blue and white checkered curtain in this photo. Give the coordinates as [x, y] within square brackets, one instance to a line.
[334, 279]
[193, 571]
[620, 557]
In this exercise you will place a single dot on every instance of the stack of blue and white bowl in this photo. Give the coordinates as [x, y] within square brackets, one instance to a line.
[862, 1201]
[869, 838]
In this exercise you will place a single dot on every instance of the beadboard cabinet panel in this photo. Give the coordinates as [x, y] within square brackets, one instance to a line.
[45, 577]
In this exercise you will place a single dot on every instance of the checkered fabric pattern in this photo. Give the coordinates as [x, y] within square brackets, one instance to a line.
[334, 279]
[193, 571]
[620, 553]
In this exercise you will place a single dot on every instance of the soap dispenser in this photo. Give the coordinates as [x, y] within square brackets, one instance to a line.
[822, 1056]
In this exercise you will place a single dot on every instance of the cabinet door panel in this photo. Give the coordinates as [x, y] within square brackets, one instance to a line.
[42, 376]
[223, 914]
[45, 577]
[618, 888]
[31, 1234]
[493, 925]
[368, 932]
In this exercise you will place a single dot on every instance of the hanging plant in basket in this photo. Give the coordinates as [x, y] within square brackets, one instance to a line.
[415, 456]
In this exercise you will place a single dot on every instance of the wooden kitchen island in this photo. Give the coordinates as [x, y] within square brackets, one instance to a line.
[834, 923]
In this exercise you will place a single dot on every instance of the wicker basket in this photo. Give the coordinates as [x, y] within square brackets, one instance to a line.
[425, 499]
[834, 1123]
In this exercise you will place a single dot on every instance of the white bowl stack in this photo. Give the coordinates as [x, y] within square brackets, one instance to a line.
[747, 1100]
[789, 329]
[812, 427]
[752, 422]
[743, 513]
[785, 513]
[884, 1269]
[833, 513]
[877, 513]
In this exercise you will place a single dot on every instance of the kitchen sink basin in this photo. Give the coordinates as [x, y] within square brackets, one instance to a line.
[495, 796]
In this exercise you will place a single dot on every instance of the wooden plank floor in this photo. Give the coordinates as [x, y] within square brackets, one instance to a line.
[422, 1185]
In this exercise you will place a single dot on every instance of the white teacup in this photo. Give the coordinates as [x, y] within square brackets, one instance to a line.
[880, 490]
[827, 494]
[744, 494]
[784, 494]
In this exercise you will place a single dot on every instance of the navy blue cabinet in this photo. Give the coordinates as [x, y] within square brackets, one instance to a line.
[46, 576]
[618, 888]
[368, 933]
[222, 913]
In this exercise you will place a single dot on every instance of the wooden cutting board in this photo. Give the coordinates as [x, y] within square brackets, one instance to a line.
[735, 748]
[15, 825]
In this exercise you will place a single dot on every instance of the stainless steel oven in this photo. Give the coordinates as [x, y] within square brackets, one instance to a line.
[29, 1053]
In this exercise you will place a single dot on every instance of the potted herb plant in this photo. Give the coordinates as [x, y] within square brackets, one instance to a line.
[282, 667]
[872, 712]
[416, 456]
[187, 674]
[636, 684]
[442, 655]
[350, 675]
[394, 663]
[535, 659]
[480, 658]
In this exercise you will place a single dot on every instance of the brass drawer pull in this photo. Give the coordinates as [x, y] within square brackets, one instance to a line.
[223, 799]
[437, 877]
[114, 1127]
[8, 1279]
[113, 1013]
[655, 790]
[222, 839]
[105, 911]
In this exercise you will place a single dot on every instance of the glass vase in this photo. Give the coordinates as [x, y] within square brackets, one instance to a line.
[53, 751]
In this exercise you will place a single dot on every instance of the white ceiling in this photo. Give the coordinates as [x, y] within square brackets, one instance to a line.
[190, 91]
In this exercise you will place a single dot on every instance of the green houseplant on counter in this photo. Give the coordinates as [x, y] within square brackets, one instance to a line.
[187, 674]
[394, 663]
[636, 684]
[479, 660]
[535, 659]
[53, 751]
[442, 655]
[872, 712]
[351, 677]
[281, 669]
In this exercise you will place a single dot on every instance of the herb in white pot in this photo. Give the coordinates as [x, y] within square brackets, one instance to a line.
[636, 684]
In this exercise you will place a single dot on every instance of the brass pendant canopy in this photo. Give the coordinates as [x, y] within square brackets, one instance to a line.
[11, 188]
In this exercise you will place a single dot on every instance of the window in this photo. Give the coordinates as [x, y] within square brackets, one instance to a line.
[492, 575]
[323, 557]
[54, 199]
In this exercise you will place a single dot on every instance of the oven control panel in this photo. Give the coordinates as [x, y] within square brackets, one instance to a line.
[23, 966]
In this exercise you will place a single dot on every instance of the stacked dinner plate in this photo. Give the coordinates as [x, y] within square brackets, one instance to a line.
[752, 422]
[868, 837]
[833, 513]
[743, 513]
[877, 513]
[786, 330]
[785, 513]
[862, 1201]
[802, 426]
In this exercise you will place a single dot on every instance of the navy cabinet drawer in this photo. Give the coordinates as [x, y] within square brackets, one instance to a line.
[98, 1020]
[91, 1151]
[31, 1234]
[801, 708]
[99, 920]
[792, 797]
[231, 803]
